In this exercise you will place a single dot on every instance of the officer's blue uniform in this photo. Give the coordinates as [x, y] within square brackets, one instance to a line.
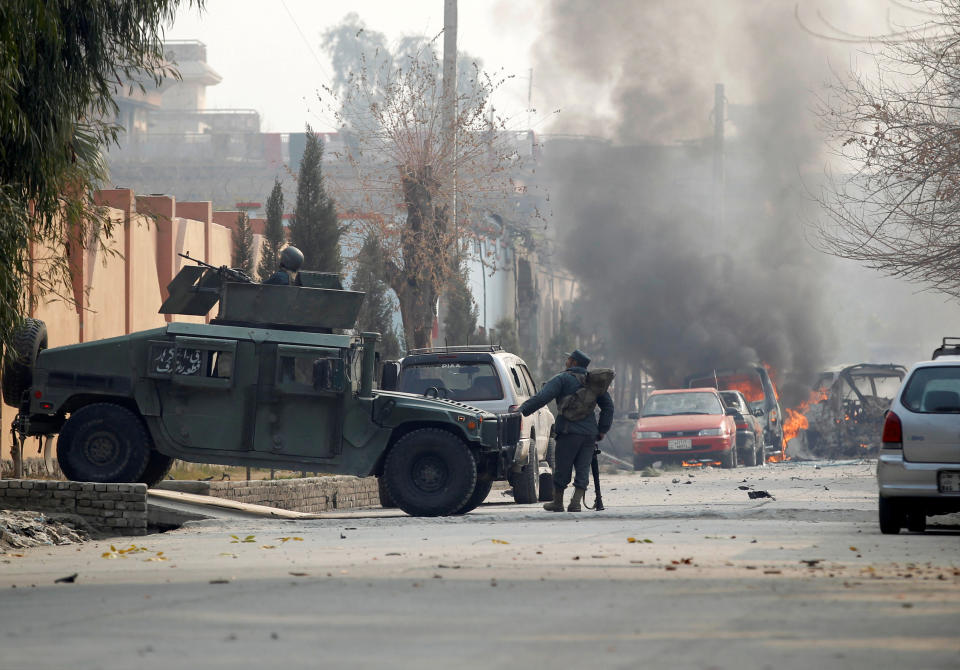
[575, 439]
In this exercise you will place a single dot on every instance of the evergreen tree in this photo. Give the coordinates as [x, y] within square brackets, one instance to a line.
[376, 312]
[274, 237]
[460, 321]
[504, 333]
[243, 244]
[314, 228]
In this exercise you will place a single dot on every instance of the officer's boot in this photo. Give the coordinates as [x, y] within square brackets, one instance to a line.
[556, 505]
[575, 500]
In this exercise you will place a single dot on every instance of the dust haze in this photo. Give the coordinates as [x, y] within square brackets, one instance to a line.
[671, 276]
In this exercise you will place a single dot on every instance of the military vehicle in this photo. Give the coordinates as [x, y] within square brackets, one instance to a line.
[267, 383]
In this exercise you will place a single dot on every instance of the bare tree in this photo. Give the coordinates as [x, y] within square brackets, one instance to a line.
[390, 109]
[897, 211]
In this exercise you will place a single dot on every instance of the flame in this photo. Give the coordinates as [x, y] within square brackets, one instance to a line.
[796, 419]
[699, 464]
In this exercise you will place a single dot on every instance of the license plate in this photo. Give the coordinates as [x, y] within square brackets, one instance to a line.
[948, 482]
[676, 445]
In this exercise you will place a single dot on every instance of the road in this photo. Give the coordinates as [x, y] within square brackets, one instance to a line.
[680, 571]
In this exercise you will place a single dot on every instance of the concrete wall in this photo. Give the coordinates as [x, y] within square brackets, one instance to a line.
[119, 287]
[114, 509]
[310, 494]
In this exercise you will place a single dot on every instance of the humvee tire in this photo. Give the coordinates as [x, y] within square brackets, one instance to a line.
[430, 472]
[157, 468]
[104, 442]
[480, 493]
[385, 500]
[28, 341]
[525, 482]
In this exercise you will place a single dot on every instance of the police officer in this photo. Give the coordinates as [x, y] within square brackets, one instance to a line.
[575, 439]
[291, 259]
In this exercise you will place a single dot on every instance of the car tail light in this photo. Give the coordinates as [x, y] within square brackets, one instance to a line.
[892, 436]
[742, 426]
[513, 408]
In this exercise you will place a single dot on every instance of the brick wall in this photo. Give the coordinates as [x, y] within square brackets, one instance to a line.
[311, 494]
[115, 509]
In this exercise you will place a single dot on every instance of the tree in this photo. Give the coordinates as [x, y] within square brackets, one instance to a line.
[274, 237]
[376, 312]
[314, 228]
[392, 117]
[504, 333]
[60, 65]
[899, 128]
[460, 321]
[243, 244]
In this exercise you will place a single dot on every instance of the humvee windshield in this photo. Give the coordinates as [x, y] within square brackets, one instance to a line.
[456, 381]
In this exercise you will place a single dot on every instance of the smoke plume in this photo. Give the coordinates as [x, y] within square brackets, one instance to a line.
[667, 280]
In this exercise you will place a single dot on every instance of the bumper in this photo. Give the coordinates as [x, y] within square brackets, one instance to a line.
[897, 478]
[701, 446]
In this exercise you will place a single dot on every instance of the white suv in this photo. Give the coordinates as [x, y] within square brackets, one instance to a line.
[918, 470]
[491, 379]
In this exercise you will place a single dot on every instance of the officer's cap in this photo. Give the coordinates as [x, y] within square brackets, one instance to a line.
[579, 357]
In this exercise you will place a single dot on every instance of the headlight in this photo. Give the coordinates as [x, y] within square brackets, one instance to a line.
[648, 435]
[711, 432]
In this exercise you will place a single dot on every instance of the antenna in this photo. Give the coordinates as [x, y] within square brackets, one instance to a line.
[716, 382]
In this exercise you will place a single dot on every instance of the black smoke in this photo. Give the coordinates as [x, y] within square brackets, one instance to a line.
[665, 281]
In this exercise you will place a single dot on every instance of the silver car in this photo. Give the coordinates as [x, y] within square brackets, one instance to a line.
[918, 470]
[491, 379]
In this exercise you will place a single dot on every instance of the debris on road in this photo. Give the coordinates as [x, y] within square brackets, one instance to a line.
[69, 579]
[22, 529]
[753, 495]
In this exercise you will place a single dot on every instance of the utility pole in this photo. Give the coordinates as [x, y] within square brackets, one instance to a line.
[719, 114]
[449, 115]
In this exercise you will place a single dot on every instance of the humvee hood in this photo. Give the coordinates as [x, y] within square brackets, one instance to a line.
[443, 404]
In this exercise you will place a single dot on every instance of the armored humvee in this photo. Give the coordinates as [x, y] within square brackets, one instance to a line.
[267, 383]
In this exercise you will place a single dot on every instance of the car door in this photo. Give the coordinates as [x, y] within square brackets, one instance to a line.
[300, 399]
[544, 417]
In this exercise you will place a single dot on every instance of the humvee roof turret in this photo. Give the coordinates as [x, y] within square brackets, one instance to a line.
[267, 383]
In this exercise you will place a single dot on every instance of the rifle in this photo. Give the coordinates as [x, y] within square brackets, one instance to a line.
[595, 469]
[228, 274]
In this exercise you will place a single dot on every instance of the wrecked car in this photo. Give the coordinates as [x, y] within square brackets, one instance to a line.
[845, 414]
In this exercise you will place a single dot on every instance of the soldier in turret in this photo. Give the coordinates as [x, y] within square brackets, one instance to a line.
[288, 274]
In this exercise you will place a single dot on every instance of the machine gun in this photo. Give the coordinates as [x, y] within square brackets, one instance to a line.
[227, 274]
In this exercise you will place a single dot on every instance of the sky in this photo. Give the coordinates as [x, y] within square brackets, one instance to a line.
[270, 58]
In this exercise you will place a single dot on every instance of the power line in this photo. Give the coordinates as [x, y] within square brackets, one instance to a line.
[296, 25]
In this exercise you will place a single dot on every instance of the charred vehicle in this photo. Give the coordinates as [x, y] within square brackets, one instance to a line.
[845, 416]
[757, 387]
[267, 383]
[749, 430]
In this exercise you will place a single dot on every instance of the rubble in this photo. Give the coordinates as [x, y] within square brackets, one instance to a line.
[22, 529]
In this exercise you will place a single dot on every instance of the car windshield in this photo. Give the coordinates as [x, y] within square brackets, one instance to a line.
[668, 404]
[456, 381]
[934, 390]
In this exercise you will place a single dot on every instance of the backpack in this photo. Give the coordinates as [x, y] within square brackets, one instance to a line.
[581, 403]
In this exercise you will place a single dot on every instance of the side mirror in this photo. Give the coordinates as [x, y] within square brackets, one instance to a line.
[633, 415]
[732, 411]
[389, 375]
[758, 412]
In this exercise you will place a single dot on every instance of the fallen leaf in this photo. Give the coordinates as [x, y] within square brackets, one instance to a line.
[853, 549]
[289, 539]
[268, 546]
[631, 540]
[499, 541]
[300, 574]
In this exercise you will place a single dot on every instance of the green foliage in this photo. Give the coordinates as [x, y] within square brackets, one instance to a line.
[60, 64]
[243, 244]
[376, 313]
[460, 321]
[314, 228]
[274, 237]
[504, 333]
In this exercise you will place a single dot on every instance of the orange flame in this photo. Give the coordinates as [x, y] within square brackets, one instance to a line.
[796, 420]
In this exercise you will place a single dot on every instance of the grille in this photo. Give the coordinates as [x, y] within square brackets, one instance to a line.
[509, 428]
[680, 433]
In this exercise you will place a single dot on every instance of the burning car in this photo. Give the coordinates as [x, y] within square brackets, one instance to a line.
[844, 415]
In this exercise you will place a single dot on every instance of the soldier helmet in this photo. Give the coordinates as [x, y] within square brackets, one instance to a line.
[291, 258]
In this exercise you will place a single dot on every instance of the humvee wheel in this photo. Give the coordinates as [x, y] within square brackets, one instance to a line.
[385, 500]
[480, 493]
[525, 482]
[430, 472]
[157, 468]
[104, 443]
[28, 341]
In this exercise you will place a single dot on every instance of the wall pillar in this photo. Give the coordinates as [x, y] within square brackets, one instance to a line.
[162, 209]
[201, 210]
[123, 199]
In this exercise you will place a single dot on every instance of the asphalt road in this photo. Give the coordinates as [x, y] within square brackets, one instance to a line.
[671, 575]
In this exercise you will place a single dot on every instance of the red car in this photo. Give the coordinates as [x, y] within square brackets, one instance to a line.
[683, 425]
